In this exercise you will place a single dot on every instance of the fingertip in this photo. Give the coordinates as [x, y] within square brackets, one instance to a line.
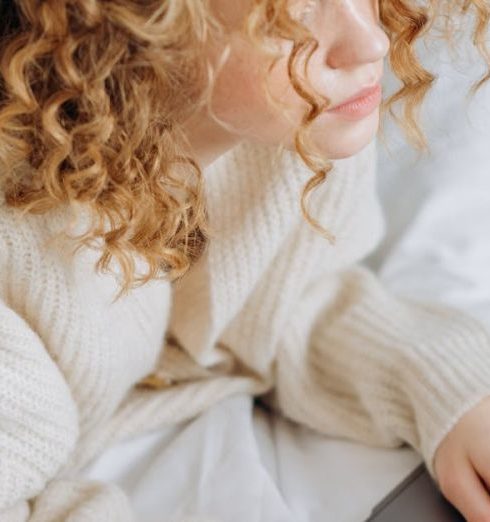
[464, 489]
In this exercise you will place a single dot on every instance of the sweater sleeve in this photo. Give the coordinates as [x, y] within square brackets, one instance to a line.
[382, 369]
[38, 417]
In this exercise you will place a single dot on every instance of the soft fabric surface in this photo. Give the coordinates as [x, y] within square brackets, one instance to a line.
[238, 462]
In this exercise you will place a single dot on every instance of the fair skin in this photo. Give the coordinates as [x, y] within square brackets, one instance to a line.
[350, 56]
[462, 463]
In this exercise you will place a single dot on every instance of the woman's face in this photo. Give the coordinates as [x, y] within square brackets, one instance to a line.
[350, 55]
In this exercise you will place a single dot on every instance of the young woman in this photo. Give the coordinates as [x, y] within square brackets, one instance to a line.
[182, 139]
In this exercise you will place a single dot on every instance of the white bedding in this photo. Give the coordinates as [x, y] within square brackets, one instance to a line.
[238, 463]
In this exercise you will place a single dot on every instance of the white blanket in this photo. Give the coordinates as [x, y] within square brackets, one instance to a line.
[236, 462]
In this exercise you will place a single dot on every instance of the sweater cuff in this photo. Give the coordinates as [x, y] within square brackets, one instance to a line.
[424, 364]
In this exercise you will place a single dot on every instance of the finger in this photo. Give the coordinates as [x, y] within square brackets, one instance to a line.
[464, 489]
[482, 469]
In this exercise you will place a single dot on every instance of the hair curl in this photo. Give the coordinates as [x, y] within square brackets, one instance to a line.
[92, 93]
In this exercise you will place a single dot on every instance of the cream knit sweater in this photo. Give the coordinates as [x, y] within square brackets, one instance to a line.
[271, 309]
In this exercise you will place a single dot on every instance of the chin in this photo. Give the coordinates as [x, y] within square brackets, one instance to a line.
[351, 138]
[347, 152]
[340, 139]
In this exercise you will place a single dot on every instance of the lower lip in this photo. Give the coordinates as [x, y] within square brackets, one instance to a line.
[361, 107]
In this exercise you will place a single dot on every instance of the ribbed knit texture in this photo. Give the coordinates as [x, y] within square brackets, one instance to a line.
[271, 309]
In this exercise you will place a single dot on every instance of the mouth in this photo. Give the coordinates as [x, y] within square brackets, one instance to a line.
[366, 91]
[359, 106]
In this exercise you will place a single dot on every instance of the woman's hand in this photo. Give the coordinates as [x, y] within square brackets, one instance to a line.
[462, 464]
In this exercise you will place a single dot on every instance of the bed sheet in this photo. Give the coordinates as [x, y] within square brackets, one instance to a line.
[238, 462]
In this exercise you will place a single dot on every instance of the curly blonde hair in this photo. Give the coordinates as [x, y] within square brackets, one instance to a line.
[92, 94]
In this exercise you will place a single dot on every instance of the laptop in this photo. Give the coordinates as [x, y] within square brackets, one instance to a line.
[416, 499]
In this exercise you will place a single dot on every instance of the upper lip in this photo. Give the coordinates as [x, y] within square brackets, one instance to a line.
[359, 94]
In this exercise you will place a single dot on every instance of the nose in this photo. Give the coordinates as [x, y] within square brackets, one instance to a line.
[358, 37]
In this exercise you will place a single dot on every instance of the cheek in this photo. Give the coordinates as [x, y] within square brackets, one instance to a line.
[240, 100]
[236, 97]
